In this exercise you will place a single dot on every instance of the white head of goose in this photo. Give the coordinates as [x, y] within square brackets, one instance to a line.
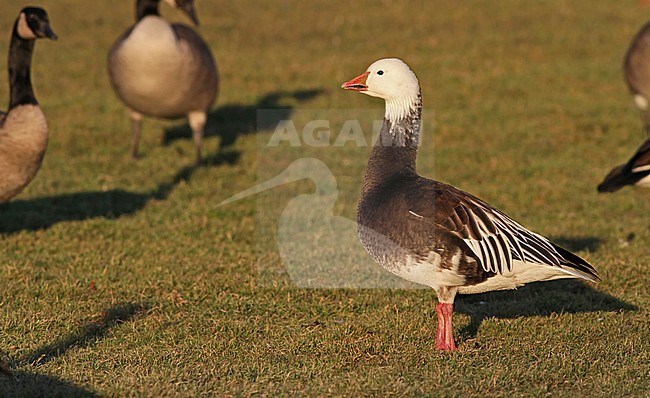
[434, 234]
[23, 129]
[164, 70]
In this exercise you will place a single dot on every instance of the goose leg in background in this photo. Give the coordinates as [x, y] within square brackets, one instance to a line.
[136, 128]
[197, 123]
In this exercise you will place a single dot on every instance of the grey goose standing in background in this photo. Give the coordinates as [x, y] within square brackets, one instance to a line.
[434, 234]
[636, 68]
[23, 129]
[164, 70]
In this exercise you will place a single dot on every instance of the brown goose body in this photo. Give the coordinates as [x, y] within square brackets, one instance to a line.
[434, 234]
[163, 70]
[23, 141]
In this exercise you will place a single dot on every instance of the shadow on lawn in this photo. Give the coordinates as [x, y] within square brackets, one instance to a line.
[32, 384]
[230, 121]
[29, 385]
[535, 299]
[588, 243]
[41, 213]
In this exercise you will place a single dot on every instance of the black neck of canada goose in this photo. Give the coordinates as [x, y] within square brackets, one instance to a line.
[144, 8]
[20, 61]
[395, 151]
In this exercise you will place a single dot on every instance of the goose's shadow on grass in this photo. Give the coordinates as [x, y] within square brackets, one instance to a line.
[579, 243]
[32, 384]
[29, 385]
[42, 213]
[535, 299]
[232, 120]
[227, 122]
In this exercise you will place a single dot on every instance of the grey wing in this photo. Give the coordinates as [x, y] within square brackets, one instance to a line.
[196, 44]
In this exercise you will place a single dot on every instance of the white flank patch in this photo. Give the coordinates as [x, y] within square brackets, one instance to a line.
[429, 273]
[641, 102]
[521, 274]
[24, 30]
[415, 214]
[644, 182]
[641, 168]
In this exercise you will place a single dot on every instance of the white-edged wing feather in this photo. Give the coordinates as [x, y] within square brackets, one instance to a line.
[496, 239]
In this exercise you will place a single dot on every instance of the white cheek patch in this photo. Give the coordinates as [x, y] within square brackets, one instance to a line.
[24, 30]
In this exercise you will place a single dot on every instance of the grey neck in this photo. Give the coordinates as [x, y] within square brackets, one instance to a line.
[395, 151]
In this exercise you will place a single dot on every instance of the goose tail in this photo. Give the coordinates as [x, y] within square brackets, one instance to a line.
[576, 266]
[615, 180]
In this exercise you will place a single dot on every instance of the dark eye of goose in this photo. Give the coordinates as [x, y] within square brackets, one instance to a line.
[380, 72]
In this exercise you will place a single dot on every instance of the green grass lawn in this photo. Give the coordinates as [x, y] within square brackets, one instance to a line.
[126, 279]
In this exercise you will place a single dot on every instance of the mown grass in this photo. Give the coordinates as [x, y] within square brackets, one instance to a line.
[123, 279]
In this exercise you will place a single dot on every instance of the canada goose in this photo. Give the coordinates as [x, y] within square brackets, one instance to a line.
[163, 70]
[434, 234]
[636, 68]
[23, 129]
[635, 172]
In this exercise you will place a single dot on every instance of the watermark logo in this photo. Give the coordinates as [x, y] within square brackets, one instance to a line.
[319, 133]
[316, 233]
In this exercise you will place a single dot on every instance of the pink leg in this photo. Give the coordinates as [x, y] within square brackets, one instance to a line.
[444, 335]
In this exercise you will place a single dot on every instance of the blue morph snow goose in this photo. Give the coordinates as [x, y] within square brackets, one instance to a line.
[434, 234]
[23, 129]
[164, 70]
